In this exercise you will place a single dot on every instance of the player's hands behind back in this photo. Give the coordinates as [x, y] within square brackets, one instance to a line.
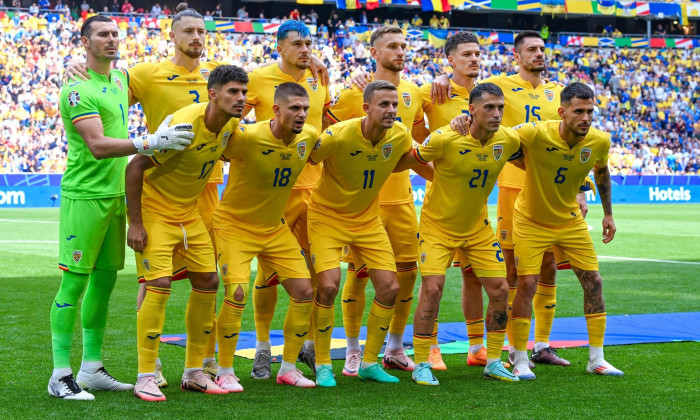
[176, 137]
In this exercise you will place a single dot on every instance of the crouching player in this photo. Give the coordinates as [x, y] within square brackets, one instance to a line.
[266, 160]
[166, 188]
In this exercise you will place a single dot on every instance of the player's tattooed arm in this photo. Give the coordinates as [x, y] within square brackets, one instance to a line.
[441, 89]
[592, 283]
[136, 236]
[604, 185]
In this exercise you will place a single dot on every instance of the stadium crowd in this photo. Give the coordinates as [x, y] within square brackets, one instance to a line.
[649, 100]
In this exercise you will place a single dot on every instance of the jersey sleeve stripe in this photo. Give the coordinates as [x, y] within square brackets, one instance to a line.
[128, 77]
[311, 161]
[85, 116]
[416, 153]
[332, 117]
[419, 121]
[154, 160]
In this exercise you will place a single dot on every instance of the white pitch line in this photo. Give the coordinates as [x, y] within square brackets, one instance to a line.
[28, 242]
[28, 221]
[649, 260]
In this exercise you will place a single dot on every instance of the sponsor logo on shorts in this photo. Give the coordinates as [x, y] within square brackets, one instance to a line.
[301, 150]
[204, 73]
[406, 99]
[386, 150]
[224, 139]
[73, 98]
[77, 256]
[146, 264]
[423, 256]
[497, 151]
[504, 235]
[313, 84]
[549, 94]
[585, 154]
[224, 269]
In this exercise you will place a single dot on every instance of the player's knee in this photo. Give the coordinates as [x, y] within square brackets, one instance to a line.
[431, 291]
[302, 292]
[499, 291]
[527, 286]
[512, 275]
[389, 292]
[238, 292]
[327, 291]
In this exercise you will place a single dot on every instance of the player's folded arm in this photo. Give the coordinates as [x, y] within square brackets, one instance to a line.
[101, 147]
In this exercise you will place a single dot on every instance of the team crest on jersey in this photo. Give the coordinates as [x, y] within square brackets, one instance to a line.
[585, 154]
[301, 150]
[146, 264]
[119, 84]
[406, 99]
[204, 73]
[313, 83]
[224, 139]
[77, 256]
[549, 94]
[497, 151]
[386, 150]
[423, 256]
[73, 98]
[504, 235]
[224, 269]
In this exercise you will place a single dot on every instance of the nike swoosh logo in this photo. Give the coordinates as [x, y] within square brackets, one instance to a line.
[173, 77]
[356, 153]
[349, 300]
[406, 300]
[396, 362]
[324, 329]
[464, 152]
[517, 89]
[267, 152]
[231, 336]
[149, 393]
[550, 306]
[551, 149]
[301, 335]
[63, 305]
[153, 337]
[70, 237]
[202, 387]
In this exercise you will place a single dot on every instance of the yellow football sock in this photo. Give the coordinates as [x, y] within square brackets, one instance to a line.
[377, 326]
[353, 303]
[596, 329]
[325, 316]
[228, 330]
[521, 332]
[149, 326]
[264, 301]
[421, 348]
[311, 336]
[475, 331]
[433, 335]
[494, 343]
[404, 299]
[198, 322]
[210, 353]
[509, 326]
[296, 328]
[544, 304]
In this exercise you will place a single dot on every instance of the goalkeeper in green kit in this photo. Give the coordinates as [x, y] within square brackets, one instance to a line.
[93, 224]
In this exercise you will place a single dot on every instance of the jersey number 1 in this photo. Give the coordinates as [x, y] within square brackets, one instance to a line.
[369, 179]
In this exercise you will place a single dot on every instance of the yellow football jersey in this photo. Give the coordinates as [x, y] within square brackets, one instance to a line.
[348, 104]
[263, 82]
[163, 88]
[440, 115]
[555, 172]
[465, 174]
[354, 170]
[262, 175]
[524, 104]
[170, 190]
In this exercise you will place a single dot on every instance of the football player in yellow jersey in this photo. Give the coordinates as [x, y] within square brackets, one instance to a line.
[294, 47]
[267, 158]
[166, 188]
[388, 48]
[558, 156]
[455, 218]
[359, 155]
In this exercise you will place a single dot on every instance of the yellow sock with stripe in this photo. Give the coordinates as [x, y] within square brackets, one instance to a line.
[296, 328]
[595, 324]
[310, 341]
[353, 303]
[199, 322]
[475, 331]
[210, 353]
[149, 327]
[264, 302]
[377, 326]
[434, 334]
[521, 332]
[544, 304]
[404, 300]
[325, 317]
[421, 347]
[228, 326]
[509, 326]
[494, 344]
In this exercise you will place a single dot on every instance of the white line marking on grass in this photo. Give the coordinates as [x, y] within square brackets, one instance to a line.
[28, 221]
[28, 242]
[649, 260]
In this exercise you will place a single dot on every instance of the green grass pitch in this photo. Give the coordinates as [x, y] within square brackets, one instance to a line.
[658, 381]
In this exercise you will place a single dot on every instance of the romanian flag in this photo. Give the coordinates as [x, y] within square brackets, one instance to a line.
[436, 6]
[347, 4]
[583, 7]
[437, 37]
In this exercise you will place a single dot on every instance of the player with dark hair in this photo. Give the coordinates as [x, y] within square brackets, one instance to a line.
[266, 159]
[166, 188]
[547, 214]
[455, 218]
[92, 226]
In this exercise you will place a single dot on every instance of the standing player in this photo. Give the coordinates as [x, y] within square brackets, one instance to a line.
[166, 187]
[92, 227]
[294, 47]
[358, 155]
[266, 160]
[455, 218]
[398, 213]
[559, 155]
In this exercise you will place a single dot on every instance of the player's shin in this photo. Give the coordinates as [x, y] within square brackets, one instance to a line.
[93, 312]
[63, 312]
[296, 328]
[264, 302]
[377, 326]
[229, 323]
[199, 324]
[325, 316]
[407, 280]
[149, 326]
[353, 305]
